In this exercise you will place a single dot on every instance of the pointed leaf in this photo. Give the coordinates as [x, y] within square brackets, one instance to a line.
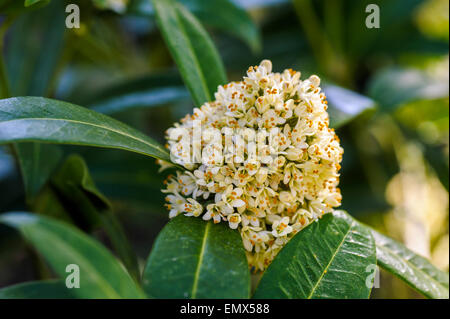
[25, 119]
[148, 91]
[101, 275]
[192, 258]
[197, 59]
[327, 259]
[345, 105]
[224, 15]
[415, 270]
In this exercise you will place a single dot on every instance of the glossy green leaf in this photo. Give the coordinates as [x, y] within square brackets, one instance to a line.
[24, 119]
[148, 91]
[415, 270]
[30, 71]
[224, 15]
[73, 196]
[130, 184]
[327, 259]
[192, 258]
[197, 59]
[37, 162]
[101, 275]
[48, 289]
[78, 192]
[345, 105]
[394, 87]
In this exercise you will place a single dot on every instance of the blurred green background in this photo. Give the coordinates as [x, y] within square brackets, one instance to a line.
[396, 163]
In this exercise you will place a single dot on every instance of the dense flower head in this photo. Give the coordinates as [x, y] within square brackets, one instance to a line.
[261, 158]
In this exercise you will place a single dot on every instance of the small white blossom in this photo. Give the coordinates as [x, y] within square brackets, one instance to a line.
[234, 220]
[281, 227]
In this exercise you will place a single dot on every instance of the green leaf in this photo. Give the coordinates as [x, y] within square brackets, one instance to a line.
[148, 91]
[73, 194]
[192, 258]
[25, 119]
[30, 72]
[31, 69]
[327, 259]
[101, 275]
[77, 191]
[128, 184]
[415, 270]
[48, 289]
[224, 15]
[394, 87]
[31, 2]
[37, 162]
[198, 60]
[345, 105]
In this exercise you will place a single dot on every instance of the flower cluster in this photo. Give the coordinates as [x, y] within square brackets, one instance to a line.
[272, 170]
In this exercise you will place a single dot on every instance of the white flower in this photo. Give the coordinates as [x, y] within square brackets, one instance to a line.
[253, 237]
[214, 213]
[193, 208]
[234, 220]
[175, 204]
[267, 184]
[281, 228]
[231, 197]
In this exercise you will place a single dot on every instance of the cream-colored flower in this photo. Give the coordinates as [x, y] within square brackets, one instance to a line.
[269, 163]
[193, 208]
[234, 220]
[216, 212]
[281, 227]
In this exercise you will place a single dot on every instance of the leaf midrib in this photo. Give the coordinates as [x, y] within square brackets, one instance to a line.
[329, 263]
[88, 124]
[200, 261]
